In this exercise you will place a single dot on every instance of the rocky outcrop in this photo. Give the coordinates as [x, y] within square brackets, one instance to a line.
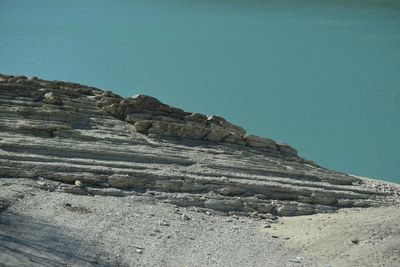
[150, 116]
[96, 142]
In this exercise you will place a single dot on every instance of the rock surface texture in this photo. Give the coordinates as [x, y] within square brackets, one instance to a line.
[97, 143]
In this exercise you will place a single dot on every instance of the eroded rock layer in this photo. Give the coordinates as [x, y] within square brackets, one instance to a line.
[96, 142]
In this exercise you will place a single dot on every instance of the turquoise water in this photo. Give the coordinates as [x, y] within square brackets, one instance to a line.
[323, 77]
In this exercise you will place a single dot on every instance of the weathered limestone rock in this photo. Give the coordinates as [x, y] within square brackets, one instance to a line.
[143, 126]
[260, 142]
[96, 142]
[121, 181]
[150, 116]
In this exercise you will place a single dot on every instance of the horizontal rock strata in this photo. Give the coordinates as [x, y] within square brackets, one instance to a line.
[96, 142]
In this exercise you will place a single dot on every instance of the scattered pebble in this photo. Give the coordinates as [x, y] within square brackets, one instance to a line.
[296, 260]
[254, 215]
[185, 217]
[164, 223]
[78, 183]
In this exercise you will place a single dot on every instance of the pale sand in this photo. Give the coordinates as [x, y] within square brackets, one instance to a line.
[42, 228]
[329, 237]
[50, 229]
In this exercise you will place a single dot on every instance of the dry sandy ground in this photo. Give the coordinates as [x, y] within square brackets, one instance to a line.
[43, 228]
[353, 237]
[58, 229]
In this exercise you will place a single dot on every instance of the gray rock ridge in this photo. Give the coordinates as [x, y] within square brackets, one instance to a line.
[151, 117]
[96, 142]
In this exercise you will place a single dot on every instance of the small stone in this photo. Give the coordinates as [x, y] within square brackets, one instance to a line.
[78, 183]
[185, 217]
[164, 223]
[253, 214]
[296, 260]
[355, 241]
[267, 226]
[266, 216]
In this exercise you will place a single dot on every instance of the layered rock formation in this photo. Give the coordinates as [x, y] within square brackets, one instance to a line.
[96, 142]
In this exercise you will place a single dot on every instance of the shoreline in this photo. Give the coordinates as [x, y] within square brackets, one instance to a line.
[349, 237]
[44, 228]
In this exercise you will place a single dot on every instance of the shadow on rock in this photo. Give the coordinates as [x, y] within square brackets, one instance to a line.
[26, 241]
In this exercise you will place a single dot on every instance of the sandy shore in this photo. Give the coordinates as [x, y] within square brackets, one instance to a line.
[59, 229]
[353, 237]
[42, 228]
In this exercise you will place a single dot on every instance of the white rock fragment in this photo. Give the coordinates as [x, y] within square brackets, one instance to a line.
[78, 183]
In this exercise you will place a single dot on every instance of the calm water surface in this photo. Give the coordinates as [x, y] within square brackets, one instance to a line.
[324, 78]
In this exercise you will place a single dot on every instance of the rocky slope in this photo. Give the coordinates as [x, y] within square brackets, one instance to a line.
[97, 143]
